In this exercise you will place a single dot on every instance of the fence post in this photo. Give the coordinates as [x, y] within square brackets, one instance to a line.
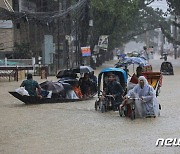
[5, 61]
[16, 73]
[44, 72]
[33, 63]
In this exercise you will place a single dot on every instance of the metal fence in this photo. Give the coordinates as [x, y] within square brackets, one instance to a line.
[16, 62]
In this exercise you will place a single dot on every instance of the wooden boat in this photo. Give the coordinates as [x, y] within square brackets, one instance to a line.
[37, 100]
[65, 77]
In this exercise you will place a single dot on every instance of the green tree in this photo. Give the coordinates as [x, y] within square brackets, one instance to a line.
[124, 19]
[174, 6]
[113, 18]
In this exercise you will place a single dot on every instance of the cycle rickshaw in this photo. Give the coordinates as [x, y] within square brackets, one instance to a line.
[155, 80]
[167, 68]
[104, 105]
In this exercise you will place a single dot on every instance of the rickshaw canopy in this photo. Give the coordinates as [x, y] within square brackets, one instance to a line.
[167, 68]
[106, 70]
[117, 71]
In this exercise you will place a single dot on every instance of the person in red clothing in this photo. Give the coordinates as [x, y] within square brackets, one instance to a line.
[77, 90]
[134, 78]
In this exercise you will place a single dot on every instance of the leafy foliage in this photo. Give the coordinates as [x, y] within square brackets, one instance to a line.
[124, 19]
[174, 6]
[113, 18]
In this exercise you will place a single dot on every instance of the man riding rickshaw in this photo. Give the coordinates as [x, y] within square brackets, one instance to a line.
[111, 86]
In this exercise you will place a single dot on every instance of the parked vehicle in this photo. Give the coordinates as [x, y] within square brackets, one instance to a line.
[167, 68]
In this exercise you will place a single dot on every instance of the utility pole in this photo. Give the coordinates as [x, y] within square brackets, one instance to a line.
[58, 36]
[178, 35]
[68, 33]
[77, 53]
[175, 37]
[162, 43]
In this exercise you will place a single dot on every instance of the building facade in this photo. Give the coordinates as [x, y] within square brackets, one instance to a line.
[6, 34]
[52, 29]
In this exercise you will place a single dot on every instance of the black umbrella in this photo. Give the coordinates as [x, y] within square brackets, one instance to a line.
[67, 79]
[55, 87]
[83, 69]
[67, 86]
[66, 73]
[86, 69]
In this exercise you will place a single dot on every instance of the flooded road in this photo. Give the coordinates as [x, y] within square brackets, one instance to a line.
[67, 128]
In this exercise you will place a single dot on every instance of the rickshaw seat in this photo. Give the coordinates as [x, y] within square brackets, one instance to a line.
[153, 78]
[153, 82]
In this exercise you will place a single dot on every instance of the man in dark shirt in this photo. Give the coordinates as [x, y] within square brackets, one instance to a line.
[31, 86]
[93, 80]
[115, 89]
[85, 85]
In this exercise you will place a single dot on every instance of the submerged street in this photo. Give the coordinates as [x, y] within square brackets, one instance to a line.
[65, 128]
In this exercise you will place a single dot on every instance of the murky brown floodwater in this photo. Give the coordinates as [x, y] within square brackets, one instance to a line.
[77, 128]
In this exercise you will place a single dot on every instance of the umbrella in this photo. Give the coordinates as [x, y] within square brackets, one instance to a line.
[67, 86]
[83, 69]
[143, 58]
[133, 54]
[55, 87]
[122, 56]
[67, 79]
[86, 69]
[134, 60]
[66, 73]
[120, 64]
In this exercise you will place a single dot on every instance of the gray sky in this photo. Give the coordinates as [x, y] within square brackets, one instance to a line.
[160, 4]
[131, 46]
